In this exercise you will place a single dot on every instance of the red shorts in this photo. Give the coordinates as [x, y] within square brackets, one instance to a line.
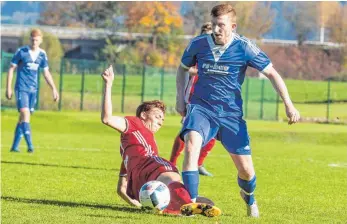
[149, 169]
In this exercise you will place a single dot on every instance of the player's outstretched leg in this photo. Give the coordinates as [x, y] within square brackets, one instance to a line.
[17, 137]
[181, 199]
[178, 197]
[200, 208]
[177, 148]
[247, 194]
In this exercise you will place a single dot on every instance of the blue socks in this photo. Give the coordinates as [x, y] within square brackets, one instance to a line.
[17, 137]
[191, 182]
[248, 188]
[27, 134]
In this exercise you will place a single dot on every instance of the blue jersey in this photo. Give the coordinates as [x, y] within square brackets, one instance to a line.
[221, 71]
[28, 63]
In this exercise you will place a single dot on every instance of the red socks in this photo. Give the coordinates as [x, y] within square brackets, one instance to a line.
[205, 151]
[177, 148]
[178, 197]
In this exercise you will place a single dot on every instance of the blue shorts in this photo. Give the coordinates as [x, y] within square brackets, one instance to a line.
[26, 100]
[231, 131]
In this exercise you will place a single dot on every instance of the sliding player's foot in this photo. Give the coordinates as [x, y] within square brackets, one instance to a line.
[202, 199]
[200, 208]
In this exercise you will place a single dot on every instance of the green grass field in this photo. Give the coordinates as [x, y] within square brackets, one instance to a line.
[309, 96]
[72, 176]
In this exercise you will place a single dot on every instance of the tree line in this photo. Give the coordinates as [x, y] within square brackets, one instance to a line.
[164, 21]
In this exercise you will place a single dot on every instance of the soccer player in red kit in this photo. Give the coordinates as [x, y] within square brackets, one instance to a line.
[141, 162]
[178, 145]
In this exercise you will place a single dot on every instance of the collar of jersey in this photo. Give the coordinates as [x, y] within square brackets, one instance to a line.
[33, 55]
[215, 48]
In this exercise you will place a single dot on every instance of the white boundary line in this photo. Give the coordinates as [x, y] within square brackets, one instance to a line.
[338, 165]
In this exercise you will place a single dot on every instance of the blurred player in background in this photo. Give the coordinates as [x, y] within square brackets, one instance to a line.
[140, 160]
[215, 108]
[178, 145]
[28, 60]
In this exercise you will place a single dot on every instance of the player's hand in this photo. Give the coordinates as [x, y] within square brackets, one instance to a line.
[193, 71]
[9, 93]
[292, 114]
[136, 203]
[55, 95]
[108, 75]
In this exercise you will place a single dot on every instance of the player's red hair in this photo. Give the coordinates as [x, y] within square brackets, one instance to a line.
[148, 105]
[224, 9]
[35, 33]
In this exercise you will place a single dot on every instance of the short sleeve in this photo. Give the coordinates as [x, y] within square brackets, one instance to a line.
[122, 171]
[189, 56]
[255, 57]
[133, 123]
[44, 62]
[16, 57]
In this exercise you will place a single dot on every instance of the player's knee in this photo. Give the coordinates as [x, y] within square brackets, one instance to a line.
[190, 148]
[193, 141]
[176, 177]
[168, 177]
[246, 173]
[24, 115]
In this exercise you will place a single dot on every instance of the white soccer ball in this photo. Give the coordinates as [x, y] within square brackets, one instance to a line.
[155, 194]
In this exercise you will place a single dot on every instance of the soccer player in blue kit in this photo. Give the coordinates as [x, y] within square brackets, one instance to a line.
[27, 60]
[215, 109]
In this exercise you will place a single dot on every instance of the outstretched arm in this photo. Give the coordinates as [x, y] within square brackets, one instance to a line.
[50, 82]
[182, 79]
[115, 122]
[278, 83]
[122, 189]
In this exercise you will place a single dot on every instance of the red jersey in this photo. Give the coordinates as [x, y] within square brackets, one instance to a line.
[137, 143]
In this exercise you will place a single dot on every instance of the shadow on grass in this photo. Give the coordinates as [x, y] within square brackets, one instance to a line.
[72, 204]
[110, 216]
[53, 165]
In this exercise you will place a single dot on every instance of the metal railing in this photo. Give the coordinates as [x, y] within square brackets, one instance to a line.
[81, 88]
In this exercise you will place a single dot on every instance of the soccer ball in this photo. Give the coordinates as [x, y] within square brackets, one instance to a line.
[155, 194]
